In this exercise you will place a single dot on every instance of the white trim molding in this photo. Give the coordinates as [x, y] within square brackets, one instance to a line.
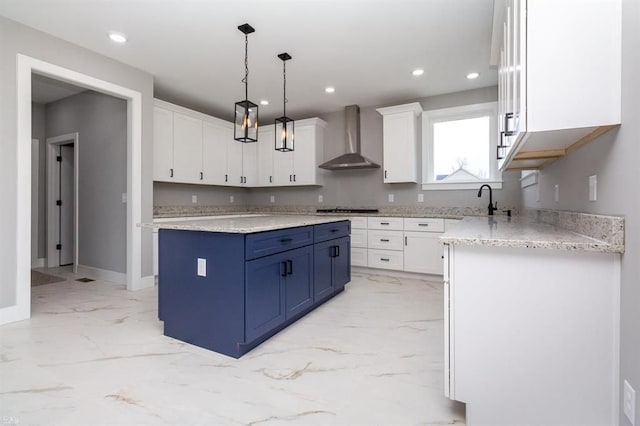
[26, 66]
[528, 178]
[102, 274]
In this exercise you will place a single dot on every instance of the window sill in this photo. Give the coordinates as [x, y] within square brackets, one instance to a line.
[450, 186]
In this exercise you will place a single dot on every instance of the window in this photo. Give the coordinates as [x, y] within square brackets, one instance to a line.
[459, 147]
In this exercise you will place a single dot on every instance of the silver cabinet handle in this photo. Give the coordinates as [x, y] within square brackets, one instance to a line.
[384, 240]
[423, 224]
[384, 259]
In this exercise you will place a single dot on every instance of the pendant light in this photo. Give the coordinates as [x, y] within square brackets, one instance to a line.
[284, 125]
[246, 112]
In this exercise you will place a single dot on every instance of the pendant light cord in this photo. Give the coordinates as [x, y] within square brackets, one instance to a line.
[284, 92]
[245, 80]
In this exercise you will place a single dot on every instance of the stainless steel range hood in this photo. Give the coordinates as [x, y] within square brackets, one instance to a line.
[352, 159]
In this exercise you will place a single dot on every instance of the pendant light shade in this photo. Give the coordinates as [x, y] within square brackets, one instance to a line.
[284, 125]
[246, 112]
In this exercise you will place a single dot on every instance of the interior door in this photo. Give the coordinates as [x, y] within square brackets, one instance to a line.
[66, 205]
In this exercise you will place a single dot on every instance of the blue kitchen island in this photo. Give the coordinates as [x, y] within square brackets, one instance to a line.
[227, 284]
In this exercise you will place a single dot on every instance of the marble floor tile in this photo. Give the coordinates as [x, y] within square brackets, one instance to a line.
[93, 353]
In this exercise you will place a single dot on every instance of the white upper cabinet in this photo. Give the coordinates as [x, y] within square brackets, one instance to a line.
[216, 136]
[300, 166]
[162, 144]
[559, 76]
[400, 142]
[265, 155]
[187, 148]
[191, 147]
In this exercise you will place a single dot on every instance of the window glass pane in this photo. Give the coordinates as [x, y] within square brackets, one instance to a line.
[461, 150]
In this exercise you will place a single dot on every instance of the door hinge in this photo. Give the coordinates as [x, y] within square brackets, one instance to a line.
[59, 158]
[58, 246]
[58, 202]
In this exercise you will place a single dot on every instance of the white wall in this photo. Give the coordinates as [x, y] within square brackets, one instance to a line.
[615, 159]
[17, 38]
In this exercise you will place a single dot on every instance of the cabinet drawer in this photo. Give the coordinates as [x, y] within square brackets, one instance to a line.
[386, 240]
[358, 222]
[265, 243]
[329, 231]
[358, 256]
[359, 238]
[385, 259]
[425, 225]
[391, 223]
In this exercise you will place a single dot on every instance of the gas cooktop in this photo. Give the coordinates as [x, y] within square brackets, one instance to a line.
[345, 210]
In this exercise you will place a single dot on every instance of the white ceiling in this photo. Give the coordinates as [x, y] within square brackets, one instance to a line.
[366, 49]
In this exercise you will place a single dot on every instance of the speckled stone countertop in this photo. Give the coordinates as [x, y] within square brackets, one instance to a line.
[527, 232]
[244, 224]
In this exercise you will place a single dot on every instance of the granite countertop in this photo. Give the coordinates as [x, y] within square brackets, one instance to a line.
[523, 232]
[244, 224]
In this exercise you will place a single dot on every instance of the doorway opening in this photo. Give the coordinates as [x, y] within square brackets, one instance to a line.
[62, 200]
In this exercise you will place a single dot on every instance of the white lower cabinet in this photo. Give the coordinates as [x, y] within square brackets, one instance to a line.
[532, 335]
[423, 252]
[358, 241]
[385, 259]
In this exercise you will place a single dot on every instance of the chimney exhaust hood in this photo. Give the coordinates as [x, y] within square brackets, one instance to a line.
[352, 160]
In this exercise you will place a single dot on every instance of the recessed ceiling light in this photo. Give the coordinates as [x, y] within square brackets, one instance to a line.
[264, 102]
[118, 37]
[330, 89]
[472, 75]
[417, 72]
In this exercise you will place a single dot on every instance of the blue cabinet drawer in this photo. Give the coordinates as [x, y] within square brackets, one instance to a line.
[266, 243]
[329, 231]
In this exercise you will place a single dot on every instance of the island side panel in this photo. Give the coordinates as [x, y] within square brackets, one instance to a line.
[536, 335]
[205, 311]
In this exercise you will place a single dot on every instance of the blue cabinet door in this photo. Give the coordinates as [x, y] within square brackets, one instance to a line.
[299, 280]
[323, 270]
[341, 263]
[264, 295]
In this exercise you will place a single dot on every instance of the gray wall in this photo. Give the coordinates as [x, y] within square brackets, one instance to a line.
[101, 123]
[614, 159]
[358, 187]
[38, 132]
[177, 194]
[17, 38]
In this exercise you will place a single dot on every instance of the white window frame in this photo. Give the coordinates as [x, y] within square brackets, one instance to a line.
[429, 118]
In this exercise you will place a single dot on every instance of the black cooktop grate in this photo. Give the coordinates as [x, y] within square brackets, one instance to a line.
[341, 210]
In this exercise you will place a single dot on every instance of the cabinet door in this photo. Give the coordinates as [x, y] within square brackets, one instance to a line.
[304, 156]
[187, 148]
[265, 156]
[264, 295]
[283, 166]
[299, 280]
[323, 274]
[162, 145]
[234, 162]
[214, 152]
[423, 252]
[250, 164]
[399, 148]
[341, 263]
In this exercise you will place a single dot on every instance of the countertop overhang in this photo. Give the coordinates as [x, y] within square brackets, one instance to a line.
[244, 224]
[522, 232]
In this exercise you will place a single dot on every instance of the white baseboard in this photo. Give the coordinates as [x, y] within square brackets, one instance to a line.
[145, 282]
[38, 263]
[398, 274]
[102, 274]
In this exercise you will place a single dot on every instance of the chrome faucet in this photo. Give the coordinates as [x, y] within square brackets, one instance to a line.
[491, 207]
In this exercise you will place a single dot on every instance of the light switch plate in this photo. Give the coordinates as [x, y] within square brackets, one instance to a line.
[593, 188]
[421, 198]
[320, 198]
[231, 198]
[557, 193]
[272, 199]
[202, 267]
[391, 198]
[629, 402]
[194, 199]
[124, 198]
